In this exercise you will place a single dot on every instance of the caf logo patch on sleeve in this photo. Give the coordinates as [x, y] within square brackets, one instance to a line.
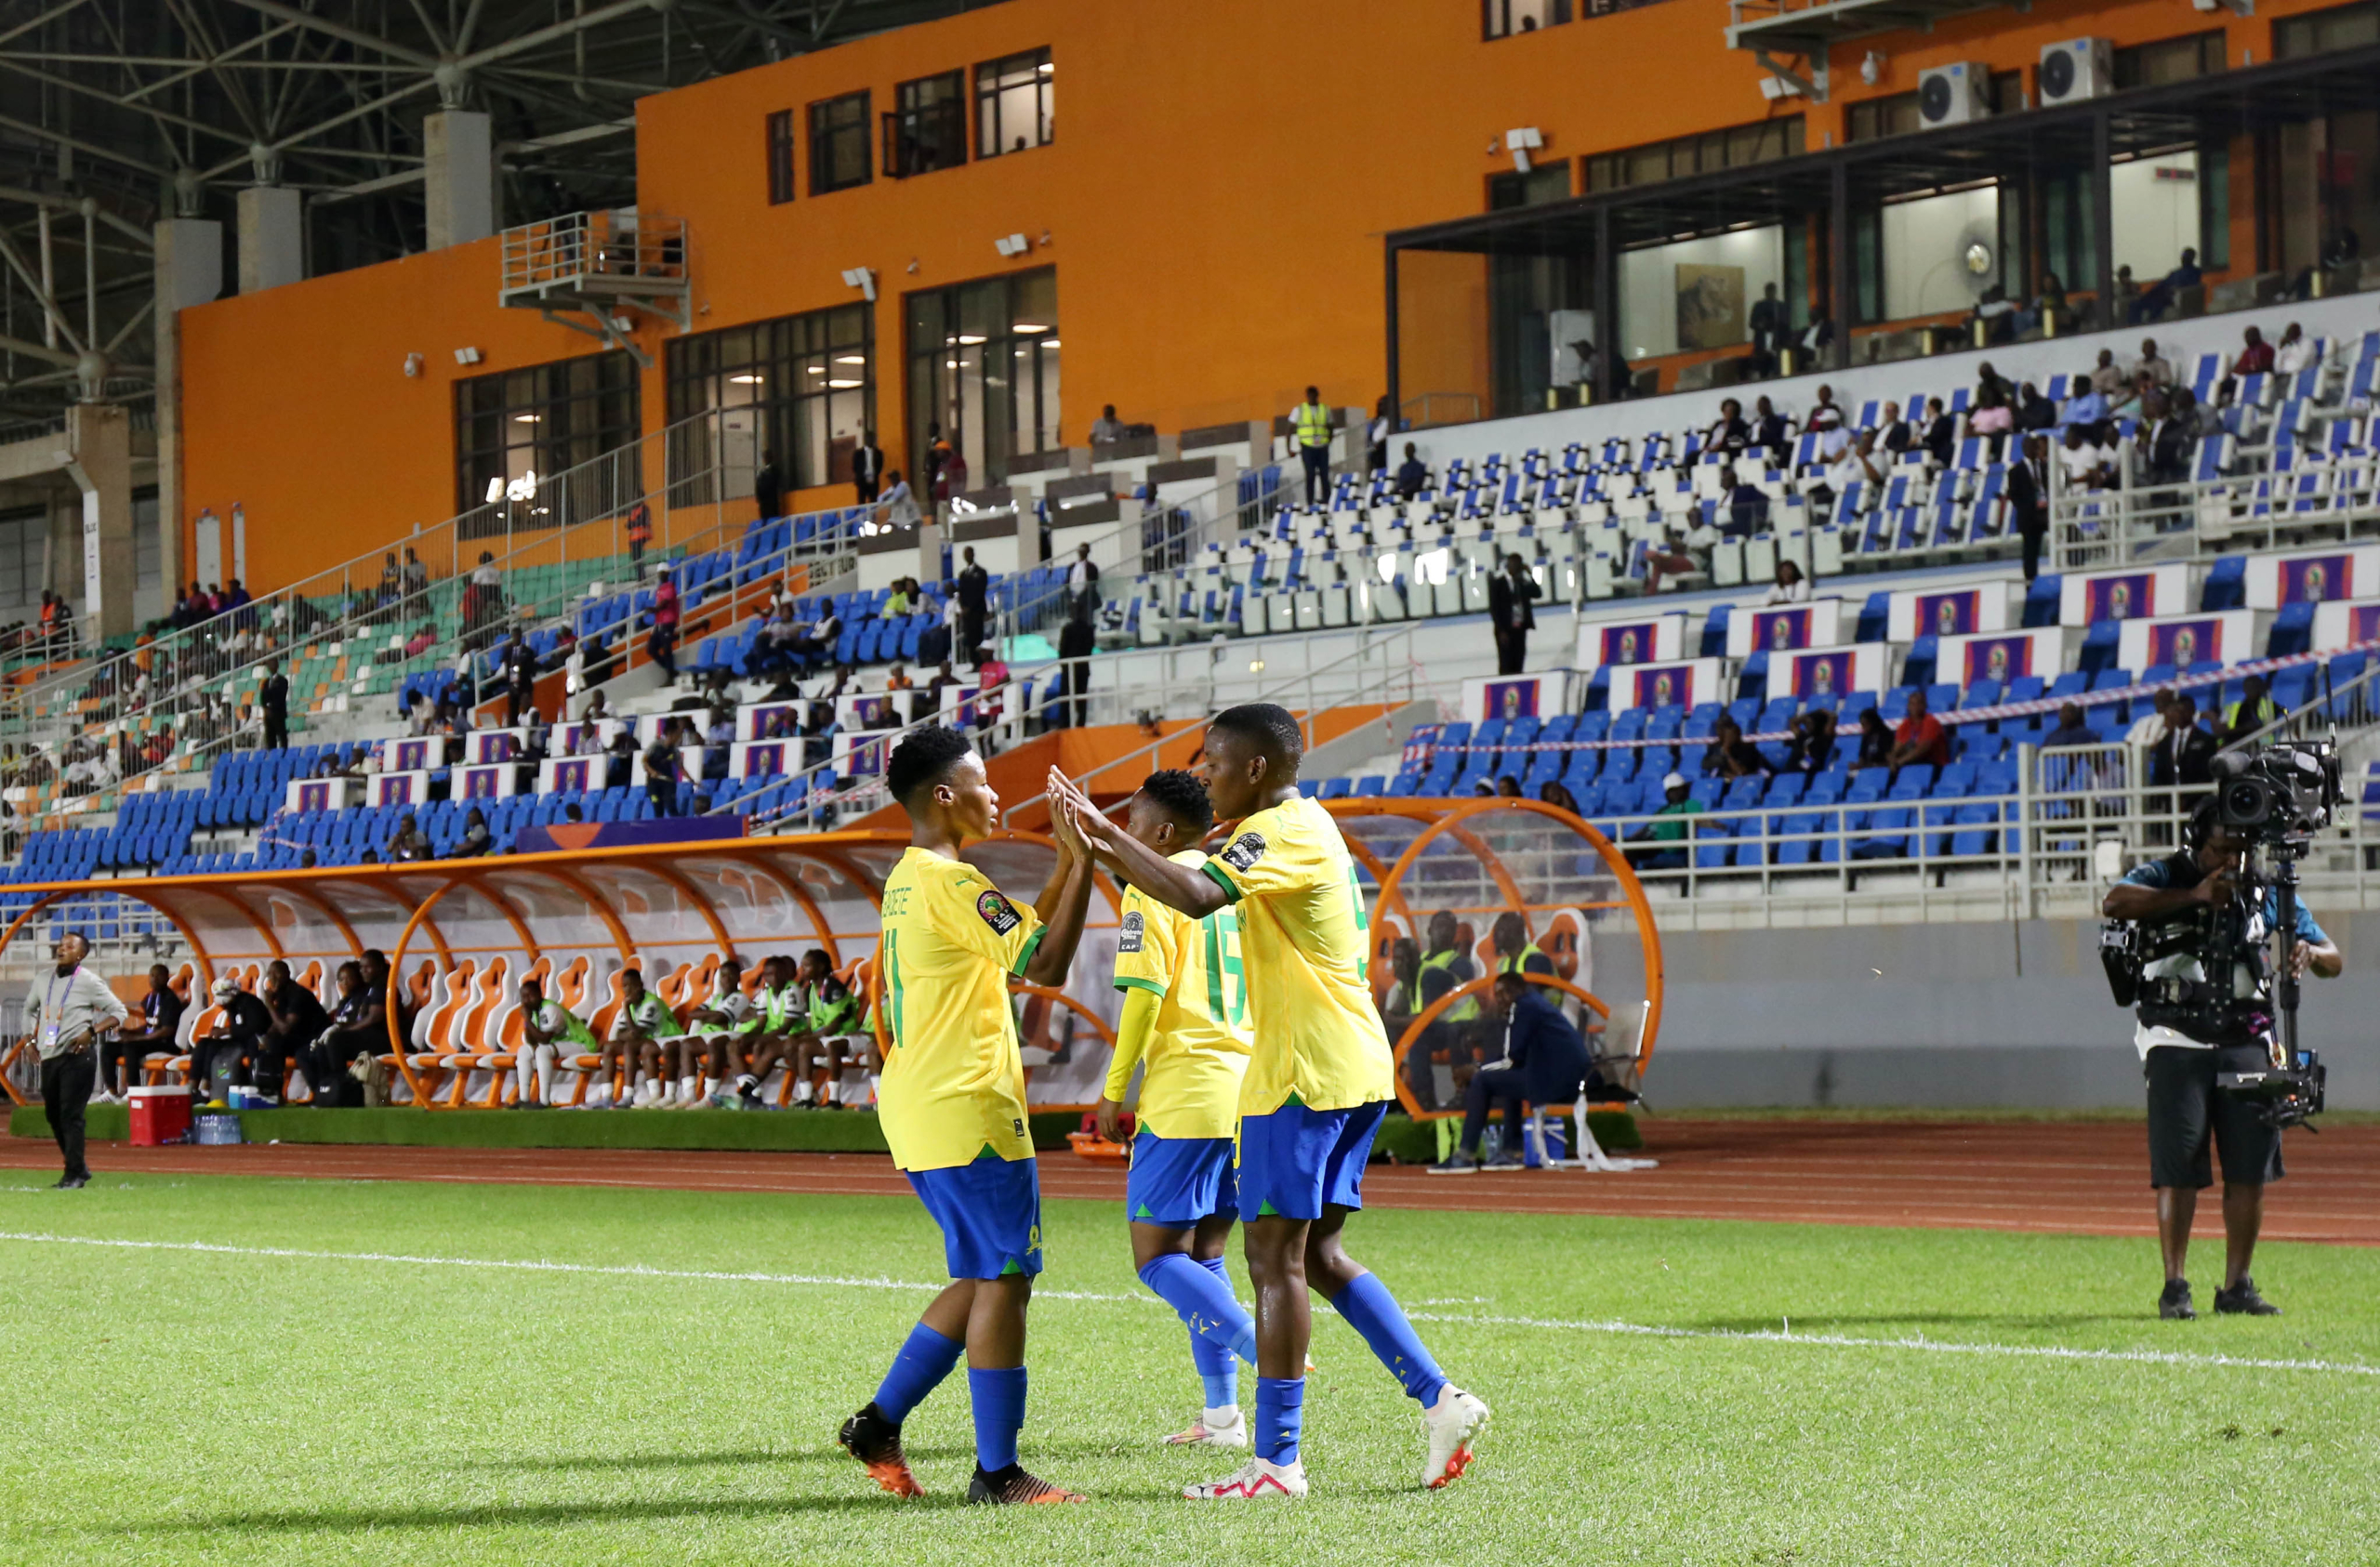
[997, 913]
[1134, 923]
[1245, 851]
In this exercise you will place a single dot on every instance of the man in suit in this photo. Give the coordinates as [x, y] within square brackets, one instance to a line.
[1082, 585]
[867, 468]
[2028, 492]
[974, 588]
[274, 696]
[1509, 592]
[2182, 757]
[768, 489]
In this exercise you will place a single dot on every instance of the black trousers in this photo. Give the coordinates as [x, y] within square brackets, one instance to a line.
[276, 728]
[971, 633]
[1317, 473]
[131, 1053]
[663, 792]
[2032, 540]
[326, 1061]
[1490, 1087]
[65, 1089]
[1511, 649]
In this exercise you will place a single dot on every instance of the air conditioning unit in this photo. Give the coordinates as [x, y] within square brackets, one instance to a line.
[2075, 70]
[1953, 94]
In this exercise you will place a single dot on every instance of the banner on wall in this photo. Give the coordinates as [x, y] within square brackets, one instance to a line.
[2182, 641]
[1821, 672]
[1784, 628]
[494, 746]
[861, 755]
[762, 759]
[2087, 598]
[411, 756]
[322, 794]
[2312, 576]
[401, 788]
[1952, 612]
[2000, 656]
[494, 781]
[879, 710]
[2345, 623]
[1650, 639]
[570, 775]
[1516, 696]
[758, 720]
[1666, 685]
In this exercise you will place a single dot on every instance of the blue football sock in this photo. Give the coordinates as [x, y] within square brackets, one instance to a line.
[1243, 1347]
[999, 1415]
[1201, 1295]
[1280, 1418]
[1373, 1313]
[917, 1370]
[1219, 1364]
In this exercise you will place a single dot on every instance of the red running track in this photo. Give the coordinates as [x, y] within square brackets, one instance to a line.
[2054, 1178]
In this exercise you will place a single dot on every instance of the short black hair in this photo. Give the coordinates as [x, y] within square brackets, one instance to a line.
[1269, 727]
[1181, 796]
[919, 761]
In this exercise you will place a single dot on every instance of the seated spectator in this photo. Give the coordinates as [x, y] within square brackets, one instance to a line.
[897, 678]
[1747, 505]
[1855, 464]
[1992, 417]
[226, 1054]
[2153, 364]
[1812, 747]
[2253, 711]
[1941, 438]
[1825, 420]
[897, 601]
[1669, 826]
[1508, 787]
[2084, 464]
[2295, 351]
[2169, 442]
[297, 1021]
[1771, 432]
[1412, 474]
[1543, 1061]
[1921, 740]
[1401, 1003]
[1894, 433]
[1875, 741]
[121, 1054]
[1555, 793]
[639, 1032]
[1671, 556]
[2106, 377]
[1728, 434]
[717, 739]
[1729, 754]
[897, 507]
[2254, 358]
[943, 679]
[1988, 379]
[1482, 790]
[1106, 430]
[1515, 954]
[1441, 967]
[2034, 412]
[477, 841]
[409, 845]
[1790, 586]
[2160, 297]
[2087, 408]
[549, 1032]
[2070, 730]
[422, 641]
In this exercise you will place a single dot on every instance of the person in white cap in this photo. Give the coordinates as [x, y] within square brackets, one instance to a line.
[66, 1010]
[1668, 826]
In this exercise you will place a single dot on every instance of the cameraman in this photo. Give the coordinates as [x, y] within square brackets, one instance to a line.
[2184, 1045]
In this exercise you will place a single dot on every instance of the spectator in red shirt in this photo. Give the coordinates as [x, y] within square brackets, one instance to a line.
[1921, 739]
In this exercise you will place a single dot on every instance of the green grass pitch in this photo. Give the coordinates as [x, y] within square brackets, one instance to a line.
[180, 1405]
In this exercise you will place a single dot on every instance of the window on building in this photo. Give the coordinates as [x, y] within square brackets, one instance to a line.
[928, 131]
[1548, 182]
[22, 534]
[2169, 60]
[839, 128]
[1760, 143]
[781, 157]
[2342, 27]
[1502, 18]
[983, 375]
[1876, 118]
[1013, 109]
[800, 390]
[540, 421]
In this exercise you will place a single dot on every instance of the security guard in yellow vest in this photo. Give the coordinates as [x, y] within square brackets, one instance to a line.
[1515, 954]
[1443, 967]
[1310, 433]
[2251, 713]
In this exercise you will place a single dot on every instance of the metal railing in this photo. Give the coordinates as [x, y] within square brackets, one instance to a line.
[2144, 520]
[623, 245]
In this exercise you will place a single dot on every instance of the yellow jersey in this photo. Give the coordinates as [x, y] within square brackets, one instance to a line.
[1198, 1048]
[953, 1085]
[1304, 939]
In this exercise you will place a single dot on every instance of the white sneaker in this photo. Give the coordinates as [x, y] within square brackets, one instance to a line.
[1213, 1428]
[1451, 1424]
[1256, 1480]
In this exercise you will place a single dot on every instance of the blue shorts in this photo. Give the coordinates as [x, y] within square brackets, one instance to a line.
[1177, 1181]
[1296, 1160]
[990, 1214]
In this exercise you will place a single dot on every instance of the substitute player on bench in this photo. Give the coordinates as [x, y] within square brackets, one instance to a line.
[1185, 1015]
[1317, 1086]
[952, 1105]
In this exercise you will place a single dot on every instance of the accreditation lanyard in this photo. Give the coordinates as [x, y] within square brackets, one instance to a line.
[49, 1024]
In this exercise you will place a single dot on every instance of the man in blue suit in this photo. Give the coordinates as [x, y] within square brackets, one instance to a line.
[1544, 1063]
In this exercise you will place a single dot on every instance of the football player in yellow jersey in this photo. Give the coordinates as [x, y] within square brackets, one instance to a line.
[1316, 1090]
[952, 1105]
[1185, 1015]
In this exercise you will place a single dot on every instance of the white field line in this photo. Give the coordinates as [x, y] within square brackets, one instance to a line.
[1640, 1330]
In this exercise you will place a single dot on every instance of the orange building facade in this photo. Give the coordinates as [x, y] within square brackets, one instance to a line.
[1202, 197]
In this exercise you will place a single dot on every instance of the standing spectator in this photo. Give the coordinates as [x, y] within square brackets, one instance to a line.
[1412, 474]
[663, 770]
[2255, 710]
[1383, 424]
[1082, 585]
[1543, 1062]
[639, 534]
[768, 489]
[1106, 430]
[2149, 727]
[1076, 645]
[273, 696]
[1768, 323]
[521, 683]
[938, 455]
[1921, 741]
[2183, 757]
[66, 1010]
[2028, 490]
[974, 592]
[662, 646]
[1511, 592]
[867, 468]
[1310, 433]
[2070, 730]
[161, 1023]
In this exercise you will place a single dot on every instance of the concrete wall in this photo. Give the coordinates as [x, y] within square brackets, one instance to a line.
[1955, 1016]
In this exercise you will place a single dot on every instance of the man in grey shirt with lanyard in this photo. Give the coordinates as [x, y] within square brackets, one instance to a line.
[66, 1010]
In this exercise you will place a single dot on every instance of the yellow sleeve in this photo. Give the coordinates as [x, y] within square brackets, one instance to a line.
[1148, 948]
[1266, 854]
[974, 913]
[1132, 1031]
